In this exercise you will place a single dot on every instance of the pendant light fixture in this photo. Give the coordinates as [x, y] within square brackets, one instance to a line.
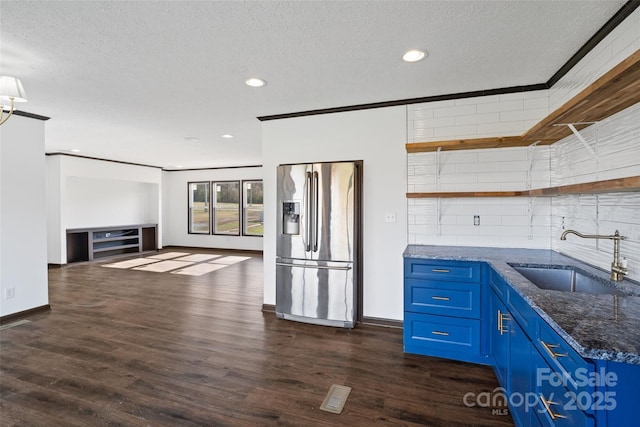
[11, 91]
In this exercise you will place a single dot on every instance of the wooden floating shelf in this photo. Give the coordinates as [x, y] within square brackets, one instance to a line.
[616, 90]
[628, 184]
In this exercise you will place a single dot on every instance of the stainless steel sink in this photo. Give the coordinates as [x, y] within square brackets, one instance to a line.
[566, 278]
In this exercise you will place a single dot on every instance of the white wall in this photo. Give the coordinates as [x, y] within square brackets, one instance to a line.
[84, 193]
[23, 221]
[377, 137]
[176, 210]
[90, 202]
[56, 245]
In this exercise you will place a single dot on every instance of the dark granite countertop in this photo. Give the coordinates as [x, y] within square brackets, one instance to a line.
[605, 327]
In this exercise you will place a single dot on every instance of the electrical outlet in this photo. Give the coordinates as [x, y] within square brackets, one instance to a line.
[390, 217]
[476, 220]
[9, 293]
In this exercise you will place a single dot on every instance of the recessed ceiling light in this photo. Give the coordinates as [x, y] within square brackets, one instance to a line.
[179, 166]
[255, 82]
[74, 150]
[414, 55]
[191, 138]
[227, 135]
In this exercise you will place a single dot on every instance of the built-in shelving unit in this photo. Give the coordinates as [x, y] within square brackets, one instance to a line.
[631, 183]
[616, 90]
[87, 244]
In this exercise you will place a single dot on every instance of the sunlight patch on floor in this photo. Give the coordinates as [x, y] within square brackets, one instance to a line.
[199, 269]
[179, 263]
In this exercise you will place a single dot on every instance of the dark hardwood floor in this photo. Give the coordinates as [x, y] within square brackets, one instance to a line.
[136, 348]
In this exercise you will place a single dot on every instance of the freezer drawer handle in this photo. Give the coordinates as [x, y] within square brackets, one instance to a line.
[320, 267]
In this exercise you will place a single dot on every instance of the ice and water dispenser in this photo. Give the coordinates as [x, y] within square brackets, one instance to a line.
[291, 217]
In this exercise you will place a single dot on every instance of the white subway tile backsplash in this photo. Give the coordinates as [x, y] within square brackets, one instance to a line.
[477, 118]
[419, 114]
[498, 107]
[487, 130]
[490, 220]
[435, 122]
[420, 135]
[521, 221]
[502, 154]
[459, 178]
[462, 156]
[515, 127]
[512, 166]
[538, 103]
[504, 209]
[530, 114]
[519, 178]
[456, 110]
[454, 132]
[477, 167]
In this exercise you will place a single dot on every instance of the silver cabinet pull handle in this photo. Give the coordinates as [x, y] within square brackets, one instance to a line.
[435, 297]
[446, 334]
[439, 270]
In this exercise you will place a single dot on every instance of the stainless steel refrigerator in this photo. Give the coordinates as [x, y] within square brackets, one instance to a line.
[319, 254]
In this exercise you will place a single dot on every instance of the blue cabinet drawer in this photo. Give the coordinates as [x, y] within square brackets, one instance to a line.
[522, 312]
[562, 358]
[425, 332]
[443, 298]
[457, 271]
[499, 285]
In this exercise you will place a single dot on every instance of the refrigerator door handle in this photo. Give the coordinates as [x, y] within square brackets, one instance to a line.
[315, 267]
[315, 211]
[307, 212]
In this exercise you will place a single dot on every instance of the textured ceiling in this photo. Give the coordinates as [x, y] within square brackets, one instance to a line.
[129, 80]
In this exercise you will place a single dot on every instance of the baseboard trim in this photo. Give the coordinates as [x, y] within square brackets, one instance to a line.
[11, 317]
[251, 251]
[50, 266]
[268, 308]
[387, 323]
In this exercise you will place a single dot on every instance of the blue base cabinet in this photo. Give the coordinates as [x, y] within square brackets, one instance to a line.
[465, 311]
[510, 353]
[442, 317]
